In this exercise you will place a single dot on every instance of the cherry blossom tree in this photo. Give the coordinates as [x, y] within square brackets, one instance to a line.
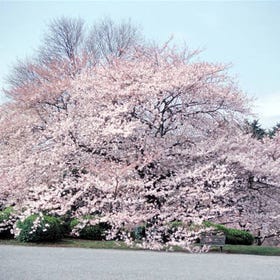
[147, 139]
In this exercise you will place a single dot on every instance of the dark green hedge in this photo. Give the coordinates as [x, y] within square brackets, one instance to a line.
[233, 236]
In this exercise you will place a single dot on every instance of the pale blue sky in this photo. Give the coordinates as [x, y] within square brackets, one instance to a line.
[246, 34]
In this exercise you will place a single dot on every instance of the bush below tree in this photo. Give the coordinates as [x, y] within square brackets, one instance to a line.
[39, 228]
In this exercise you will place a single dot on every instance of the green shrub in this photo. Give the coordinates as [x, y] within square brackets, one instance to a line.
[176, 224]
[92, 232]
[66, 225]
[171, 229]
[233, 236]
[238, 237]
[39, 228]
[7, 220]
[74, 223]
[95, 232]
[138, 233]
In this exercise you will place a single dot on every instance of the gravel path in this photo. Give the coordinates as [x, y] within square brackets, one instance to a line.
[42, 263]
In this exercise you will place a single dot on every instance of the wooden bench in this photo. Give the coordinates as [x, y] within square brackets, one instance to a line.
[216, 240]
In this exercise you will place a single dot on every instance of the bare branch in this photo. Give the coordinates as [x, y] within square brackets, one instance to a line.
[108, 39]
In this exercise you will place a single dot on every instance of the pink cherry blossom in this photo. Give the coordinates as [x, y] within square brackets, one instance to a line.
[146, 139]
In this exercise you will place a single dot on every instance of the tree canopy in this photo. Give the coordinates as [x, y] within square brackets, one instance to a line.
[148, 137]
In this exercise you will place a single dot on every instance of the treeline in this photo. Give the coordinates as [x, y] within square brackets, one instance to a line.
[259, 132]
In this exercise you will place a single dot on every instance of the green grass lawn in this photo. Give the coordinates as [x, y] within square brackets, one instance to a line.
[70, 242]
[80, 243]
[252, 250]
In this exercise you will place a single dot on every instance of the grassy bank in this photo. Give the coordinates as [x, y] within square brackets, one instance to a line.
[79, 243]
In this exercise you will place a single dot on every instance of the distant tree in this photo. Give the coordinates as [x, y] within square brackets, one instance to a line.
[108, 39]
[67, 49]
[63, 39]
[21, 74]
[63, 42]
[255, 129]
[273, 130]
